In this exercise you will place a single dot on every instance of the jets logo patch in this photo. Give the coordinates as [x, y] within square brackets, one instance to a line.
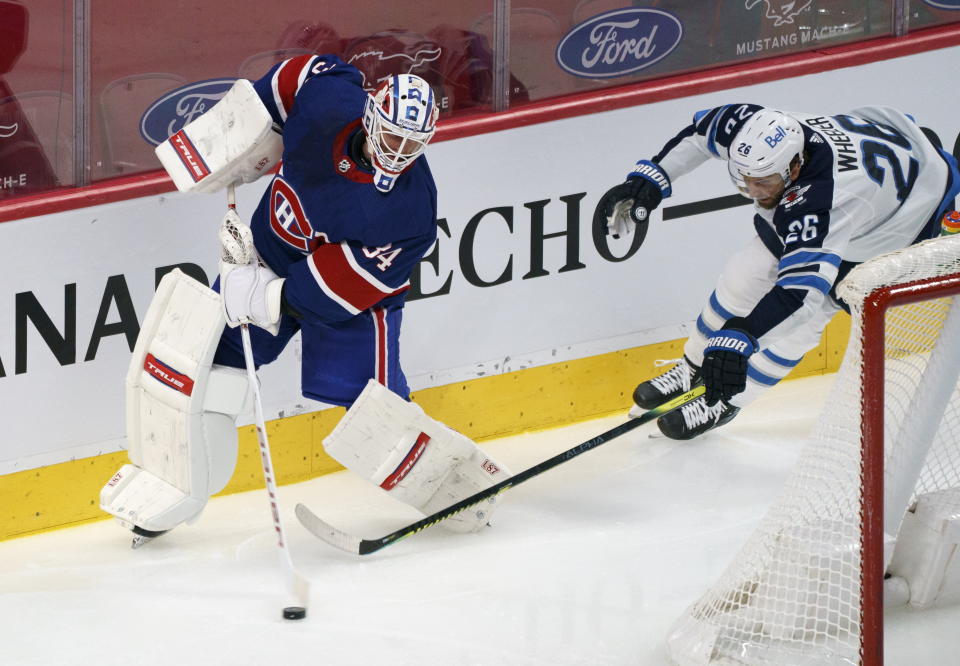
[794, 196]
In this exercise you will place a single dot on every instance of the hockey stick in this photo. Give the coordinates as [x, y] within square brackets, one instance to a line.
[352, 544]
[297, 584]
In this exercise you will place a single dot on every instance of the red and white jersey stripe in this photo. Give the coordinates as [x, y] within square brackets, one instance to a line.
[341, 277]
[289, 77]
[381, 347]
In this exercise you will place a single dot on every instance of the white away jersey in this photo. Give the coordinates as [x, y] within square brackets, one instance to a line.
[871, 183]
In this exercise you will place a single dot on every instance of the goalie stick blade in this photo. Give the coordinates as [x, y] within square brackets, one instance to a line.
[351, 544]
[299, 586]
[327, 532]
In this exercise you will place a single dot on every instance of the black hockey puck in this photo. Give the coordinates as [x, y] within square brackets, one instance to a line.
[294, 613]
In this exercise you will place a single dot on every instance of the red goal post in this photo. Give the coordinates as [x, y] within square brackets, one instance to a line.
[808, 586]
[874, 311]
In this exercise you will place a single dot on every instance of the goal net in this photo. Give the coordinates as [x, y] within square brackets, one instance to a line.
[807, 587]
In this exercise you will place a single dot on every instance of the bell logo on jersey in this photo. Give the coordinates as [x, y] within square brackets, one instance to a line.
[289, 221]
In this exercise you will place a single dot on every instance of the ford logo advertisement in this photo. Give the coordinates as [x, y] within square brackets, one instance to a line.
[619, 42]
[170, 113]
[944, 4]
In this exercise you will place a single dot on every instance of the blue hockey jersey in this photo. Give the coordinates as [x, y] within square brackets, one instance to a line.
[342, 245]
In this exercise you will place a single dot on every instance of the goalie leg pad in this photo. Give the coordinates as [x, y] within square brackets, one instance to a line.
[181, 436]
[474, 474]
[927, 552]
[416, 459]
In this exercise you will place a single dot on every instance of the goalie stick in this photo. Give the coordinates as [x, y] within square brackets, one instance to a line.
[297, 584]
[352, 544]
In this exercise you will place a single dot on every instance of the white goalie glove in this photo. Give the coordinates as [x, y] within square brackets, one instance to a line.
[251, 292]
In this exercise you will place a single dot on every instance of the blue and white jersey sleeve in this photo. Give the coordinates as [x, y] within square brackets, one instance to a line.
[340, 280]
[814, 234]
[708, 135]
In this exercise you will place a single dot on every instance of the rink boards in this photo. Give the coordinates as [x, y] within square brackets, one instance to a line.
[520, 319]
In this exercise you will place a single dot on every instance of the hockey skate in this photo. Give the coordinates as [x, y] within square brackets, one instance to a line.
[142, 537]
[696, 418]
[677, 380]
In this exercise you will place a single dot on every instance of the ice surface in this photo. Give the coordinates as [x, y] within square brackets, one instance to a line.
[588, 564]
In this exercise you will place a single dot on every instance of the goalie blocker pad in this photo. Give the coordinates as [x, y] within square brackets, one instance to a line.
[180, 411]
[417, 460]
[234, 142]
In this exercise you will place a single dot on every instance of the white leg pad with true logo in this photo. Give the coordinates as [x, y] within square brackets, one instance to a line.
[414, 458]
[181, 435]
[234, 142]
[927, 553]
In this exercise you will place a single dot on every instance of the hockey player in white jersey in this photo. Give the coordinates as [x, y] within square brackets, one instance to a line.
[829, 192]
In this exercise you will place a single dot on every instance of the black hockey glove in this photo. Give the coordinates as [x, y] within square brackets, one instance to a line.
[724, 368]
[630, 203]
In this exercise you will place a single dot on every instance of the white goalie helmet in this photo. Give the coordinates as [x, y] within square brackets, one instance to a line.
[765, 145]
[399, 120]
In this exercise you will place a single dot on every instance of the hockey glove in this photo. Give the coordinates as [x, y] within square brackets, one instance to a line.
[252, 294]
[630, 203]
[725, 362]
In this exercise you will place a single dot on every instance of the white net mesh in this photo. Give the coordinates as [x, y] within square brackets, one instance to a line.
[792, 594]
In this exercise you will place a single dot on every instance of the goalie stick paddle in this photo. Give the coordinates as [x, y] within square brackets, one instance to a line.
[352, 544]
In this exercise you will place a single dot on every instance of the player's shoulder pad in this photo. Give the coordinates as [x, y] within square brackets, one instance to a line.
[720, 125]
[330, 67]
[326, 104]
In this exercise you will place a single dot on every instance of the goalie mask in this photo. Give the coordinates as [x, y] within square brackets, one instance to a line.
[765, 146]
[399, 120]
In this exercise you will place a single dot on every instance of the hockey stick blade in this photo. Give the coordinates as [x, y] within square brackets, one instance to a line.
[352, 544]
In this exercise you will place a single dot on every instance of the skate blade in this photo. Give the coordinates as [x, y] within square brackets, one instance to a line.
[140, 541]
[142, 537]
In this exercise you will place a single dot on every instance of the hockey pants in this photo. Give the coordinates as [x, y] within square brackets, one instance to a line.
[747, 277]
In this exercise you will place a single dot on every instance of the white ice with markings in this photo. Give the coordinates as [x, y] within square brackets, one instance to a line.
[587, 564]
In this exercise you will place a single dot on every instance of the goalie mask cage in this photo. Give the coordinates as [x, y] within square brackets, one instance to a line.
[807, 587]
